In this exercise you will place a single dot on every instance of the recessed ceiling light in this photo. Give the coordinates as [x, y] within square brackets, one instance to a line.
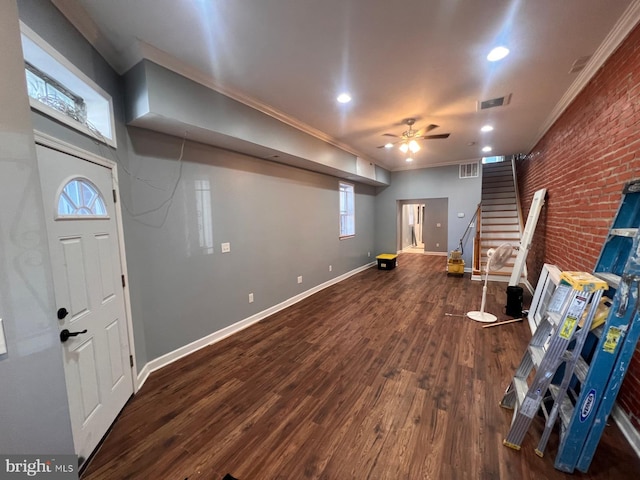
[344, 98]
[388, 145]
[486, 128]
[497, 53]
[487, 149]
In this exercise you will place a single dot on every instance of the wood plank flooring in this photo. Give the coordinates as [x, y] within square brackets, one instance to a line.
[367, 379]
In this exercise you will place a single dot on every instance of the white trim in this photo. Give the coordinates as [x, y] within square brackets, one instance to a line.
[215, 337]
[439, 254]
[628, 430]
[61, 146]
[616, 36]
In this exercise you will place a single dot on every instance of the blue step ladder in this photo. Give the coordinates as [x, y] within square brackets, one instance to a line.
[606, 355]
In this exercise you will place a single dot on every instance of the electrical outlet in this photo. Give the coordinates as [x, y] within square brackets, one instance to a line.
[300, 279]
[330, 268]
[251, 298]
[226, 247]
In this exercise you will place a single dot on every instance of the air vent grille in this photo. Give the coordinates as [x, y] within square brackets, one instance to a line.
[494, 102]
[469, 170]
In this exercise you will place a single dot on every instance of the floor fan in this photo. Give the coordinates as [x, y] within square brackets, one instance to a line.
[497, 257]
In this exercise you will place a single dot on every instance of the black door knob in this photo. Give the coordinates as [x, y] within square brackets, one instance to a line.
[62, 312]
[66, 334]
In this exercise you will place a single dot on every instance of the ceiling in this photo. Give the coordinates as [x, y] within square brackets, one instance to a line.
[422, 59]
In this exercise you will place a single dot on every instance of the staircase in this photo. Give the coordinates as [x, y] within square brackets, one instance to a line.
[499, 216]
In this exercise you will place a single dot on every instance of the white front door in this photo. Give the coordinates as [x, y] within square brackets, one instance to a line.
[85, 255]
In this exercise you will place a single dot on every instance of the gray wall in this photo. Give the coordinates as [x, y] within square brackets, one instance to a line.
[436, 213]
[439, 182]
[34, 414]
[281, 222]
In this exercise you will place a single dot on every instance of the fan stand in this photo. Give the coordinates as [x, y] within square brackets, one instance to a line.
[483, 316]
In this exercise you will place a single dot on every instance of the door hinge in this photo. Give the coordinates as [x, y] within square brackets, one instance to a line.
[131, 360]
[123, 282]
[115, 196]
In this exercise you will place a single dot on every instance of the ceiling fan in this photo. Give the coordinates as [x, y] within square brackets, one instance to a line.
[409, 139]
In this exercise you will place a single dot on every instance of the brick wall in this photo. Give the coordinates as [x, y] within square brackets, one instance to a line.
[584, 160]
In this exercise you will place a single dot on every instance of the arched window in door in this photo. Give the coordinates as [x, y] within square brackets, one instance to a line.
[80, 198]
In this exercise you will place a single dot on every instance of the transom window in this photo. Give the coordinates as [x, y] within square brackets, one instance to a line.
[347, 210]
[61, 91]
[80, 198]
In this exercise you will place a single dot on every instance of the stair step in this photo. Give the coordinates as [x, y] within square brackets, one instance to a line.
[496, 167]
[490, 196]
[499, 208]
[499, 201]
[492, 191]
[489, 179]
[499, 214]
[493, 228]
[497, 184]
[492, 176]
[503, 235]
[500, 221]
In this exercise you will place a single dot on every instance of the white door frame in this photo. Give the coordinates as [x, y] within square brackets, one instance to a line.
[64, 147]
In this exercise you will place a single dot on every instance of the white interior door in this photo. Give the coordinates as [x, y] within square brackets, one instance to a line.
[85, 255]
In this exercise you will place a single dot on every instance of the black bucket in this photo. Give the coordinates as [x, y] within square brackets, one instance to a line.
[514, 302]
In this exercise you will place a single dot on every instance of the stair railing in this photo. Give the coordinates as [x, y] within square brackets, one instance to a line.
[477, 252]
[518, 206]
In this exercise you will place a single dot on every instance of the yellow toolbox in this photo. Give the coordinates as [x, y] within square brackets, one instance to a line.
[387, 261]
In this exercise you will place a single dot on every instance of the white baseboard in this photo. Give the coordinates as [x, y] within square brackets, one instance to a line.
[214, 337]
[628, 430]
[440, 254]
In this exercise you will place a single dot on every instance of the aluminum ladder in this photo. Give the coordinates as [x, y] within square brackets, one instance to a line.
[557, 341]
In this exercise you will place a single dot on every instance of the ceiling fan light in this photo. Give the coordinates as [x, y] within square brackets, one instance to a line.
[487, 128]
[388, 145]
[409, 159]
[404, 147]
[414, 146]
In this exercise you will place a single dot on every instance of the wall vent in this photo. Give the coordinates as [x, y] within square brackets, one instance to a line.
[494, 102]
[469, 170]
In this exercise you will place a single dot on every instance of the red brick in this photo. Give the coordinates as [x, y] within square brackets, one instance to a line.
[583, 161]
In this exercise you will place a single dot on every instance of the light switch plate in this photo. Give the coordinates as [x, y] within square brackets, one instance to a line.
[226, 247]
[3, 343]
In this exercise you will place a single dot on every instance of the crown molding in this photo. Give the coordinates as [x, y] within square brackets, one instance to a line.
[612, 41]
[80, 19]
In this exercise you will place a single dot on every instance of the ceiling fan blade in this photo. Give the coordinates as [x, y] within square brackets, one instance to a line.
[390, 135]
[430, 127]
[435, 137]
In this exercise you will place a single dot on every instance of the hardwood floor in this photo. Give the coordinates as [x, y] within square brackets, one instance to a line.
[367, 379]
